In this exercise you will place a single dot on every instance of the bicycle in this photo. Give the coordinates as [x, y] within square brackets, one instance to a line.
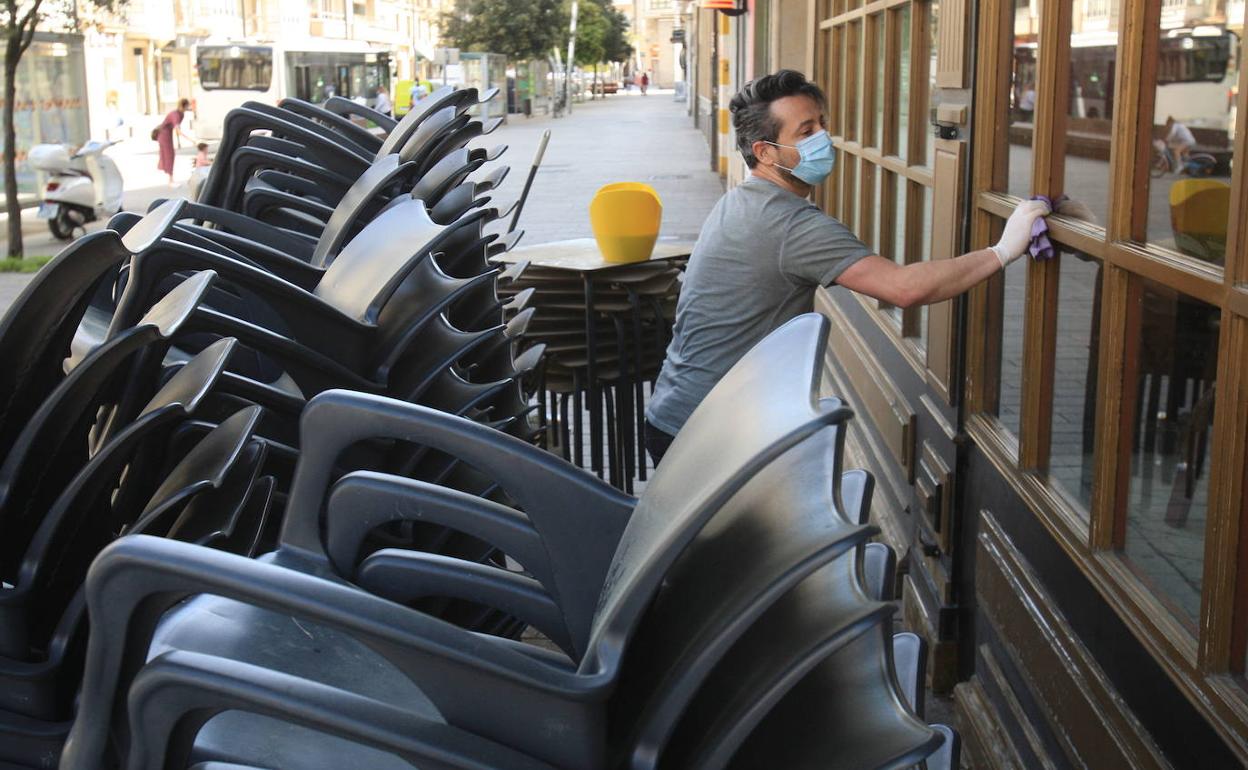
[1196, 164]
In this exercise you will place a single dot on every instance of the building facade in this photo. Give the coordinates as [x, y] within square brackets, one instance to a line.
[1061, 455]
[142, 56]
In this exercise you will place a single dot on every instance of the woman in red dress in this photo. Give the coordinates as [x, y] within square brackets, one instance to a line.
[164, 137]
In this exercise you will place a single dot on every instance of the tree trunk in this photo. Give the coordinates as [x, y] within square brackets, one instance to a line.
[595, 89]
[12, 206]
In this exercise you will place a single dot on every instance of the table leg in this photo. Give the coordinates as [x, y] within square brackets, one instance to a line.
[639, 394]
[578, 446]
[591, 375]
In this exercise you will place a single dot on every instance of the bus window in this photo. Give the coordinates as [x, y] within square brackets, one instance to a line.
[238, 68]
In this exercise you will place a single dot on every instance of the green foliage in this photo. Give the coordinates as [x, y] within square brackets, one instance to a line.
[23, 265]
[530, 29]
[601, 33]
[520, 29]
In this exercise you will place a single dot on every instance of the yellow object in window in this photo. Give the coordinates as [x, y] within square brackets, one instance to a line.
[626, 217]
[1199, 212]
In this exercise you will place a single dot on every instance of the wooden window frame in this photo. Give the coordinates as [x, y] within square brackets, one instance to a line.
[1207, 667]
[849, 38]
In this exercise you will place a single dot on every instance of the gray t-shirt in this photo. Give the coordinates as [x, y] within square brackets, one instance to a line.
[760, 256]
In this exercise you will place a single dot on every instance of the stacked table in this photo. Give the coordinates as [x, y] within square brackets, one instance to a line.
[606, 327]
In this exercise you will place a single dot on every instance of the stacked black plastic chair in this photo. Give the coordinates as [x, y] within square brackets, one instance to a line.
[159, 370]
[199, 657]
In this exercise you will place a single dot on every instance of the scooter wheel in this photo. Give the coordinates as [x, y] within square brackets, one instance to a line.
[62, 226]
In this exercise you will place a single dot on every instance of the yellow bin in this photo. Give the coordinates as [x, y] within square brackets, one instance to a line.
[626, 218]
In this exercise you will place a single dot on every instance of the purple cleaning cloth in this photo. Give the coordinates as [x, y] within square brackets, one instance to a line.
[1041, 247]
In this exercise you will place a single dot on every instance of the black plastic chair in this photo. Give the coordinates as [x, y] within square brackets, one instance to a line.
[55, 441]
[33, 341]
[682, 496]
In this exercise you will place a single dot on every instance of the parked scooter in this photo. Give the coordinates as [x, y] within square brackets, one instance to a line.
[82, 187]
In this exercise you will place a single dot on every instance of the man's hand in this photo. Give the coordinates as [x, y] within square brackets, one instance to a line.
[1017, 234]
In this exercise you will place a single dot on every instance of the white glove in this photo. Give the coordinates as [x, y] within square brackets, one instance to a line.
[1017, 234]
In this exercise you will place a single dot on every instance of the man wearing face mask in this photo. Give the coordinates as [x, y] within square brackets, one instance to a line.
[765, 248]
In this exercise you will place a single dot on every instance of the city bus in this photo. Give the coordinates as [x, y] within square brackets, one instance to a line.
[1197, 70]
[230, 73]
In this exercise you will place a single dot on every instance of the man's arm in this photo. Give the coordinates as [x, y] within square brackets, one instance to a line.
[922, 283]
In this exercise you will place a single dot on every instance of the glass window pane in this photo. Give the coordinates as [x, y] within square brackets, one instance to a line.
[1090, 102]
[1193, 123]
[1015, 176]
[1176, 349]
[878, 139]
[1007, 295]
[925, 253]
[903, 84]
[899, 253]
[933, 95]
[1075, 377]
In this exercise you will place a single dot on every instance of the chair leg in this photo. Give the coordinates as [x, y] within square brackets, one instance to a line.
[578, 449]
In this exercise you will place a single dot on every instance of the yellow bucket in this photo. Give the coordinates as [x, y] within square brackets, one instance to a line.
[625, 217]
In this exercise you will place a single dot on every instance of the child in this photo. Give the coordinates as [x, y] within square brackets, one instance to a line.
[201, 157]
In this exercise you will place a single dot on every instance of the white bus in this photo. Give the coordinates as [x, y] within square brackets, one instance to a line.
[230, 73]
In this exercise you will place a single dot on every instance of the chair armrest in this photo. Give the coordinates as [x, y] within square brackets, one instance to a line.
[580, 518]
[175, 694]
[284, 266]
[245, 227]
[310, 319]
[404, 576]
[136, 579]
[361, 501]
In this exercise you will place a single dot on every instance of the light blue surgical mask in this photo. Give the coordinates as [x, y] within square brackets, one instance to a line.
[817, 158]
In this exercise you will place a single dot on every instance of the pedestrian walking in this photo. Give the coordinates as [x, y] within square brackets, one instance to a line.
[382, 104]
[163, 134]
[765, 248]
[645, 83]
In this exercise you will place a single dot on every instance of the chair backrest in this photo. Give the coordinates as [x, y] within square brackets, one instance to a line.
[358, 197]
[34, 341]
[52, 447]
[206, 466]
[430, 133]
[449, 171]
[403, 130]
[781, 528]
[375, 261]
[352, 132]
[83, 517]
[765, 404]
[340, 105]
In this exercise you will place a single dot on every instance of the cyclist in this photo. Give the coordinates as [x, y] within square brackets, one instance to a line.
[1180, 141]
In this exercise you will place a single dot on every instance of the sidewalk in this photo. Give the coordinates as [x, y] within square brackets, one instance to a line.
[623, 138]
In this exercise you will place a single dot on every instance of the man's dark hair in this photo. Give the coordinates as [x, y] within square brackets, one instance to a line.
[751, 108]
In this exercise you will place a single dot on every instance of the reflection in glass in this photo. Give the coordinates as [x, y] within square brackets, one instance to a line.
[1193, 125]
[925, 253]
[1090, 102]
[903, 86]
[877, 28]
[1014, 298]
[1176, 347]
[899, 231]
[1075, 377]
[1016, 176]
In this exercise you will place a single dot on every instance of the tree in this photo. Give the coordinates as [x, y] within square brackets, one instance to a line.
[18, 21]
[520, 29]
[601, 35]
